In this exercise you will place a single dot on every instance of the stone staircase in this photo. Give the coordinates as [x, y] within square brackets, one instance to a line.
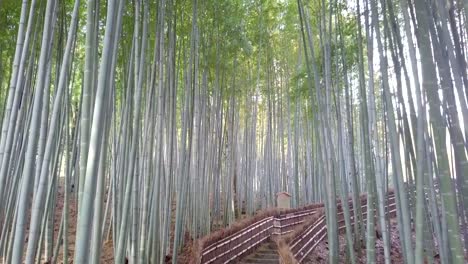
[266, 253]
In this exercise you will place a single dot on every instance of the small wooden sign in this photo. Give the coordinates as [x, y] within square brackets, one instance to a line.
[283, 200]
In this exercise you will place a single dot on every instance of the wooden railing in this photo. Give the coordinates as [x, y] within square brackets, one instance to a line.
[303, 243]
[231, 247]
[233, 243]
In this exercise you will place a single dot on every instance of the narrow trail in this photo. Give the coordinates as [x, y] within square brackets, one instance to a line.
[266, 253]
[285, 236]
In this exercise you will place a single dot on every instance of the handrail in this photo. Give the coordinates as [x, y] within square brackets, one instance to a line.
[241, 239]
[311, 236]
[236, 242]
[235, 235]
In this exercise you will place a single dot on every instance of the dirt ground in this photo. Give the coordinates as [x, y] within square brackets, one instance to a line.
[320, 254]
[107, 254]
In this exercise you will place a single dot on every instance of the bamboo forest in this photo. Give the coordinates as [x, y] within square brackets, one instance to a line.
[234, 131]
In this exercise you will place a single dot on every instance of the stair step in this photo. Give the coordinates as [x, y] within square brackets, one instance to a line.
[267, 251]
[261, 261]
[266, 255]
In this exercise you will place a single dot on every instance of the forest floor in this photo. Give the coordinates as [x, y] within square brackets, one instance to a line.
[320, 254]
[107, 253]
